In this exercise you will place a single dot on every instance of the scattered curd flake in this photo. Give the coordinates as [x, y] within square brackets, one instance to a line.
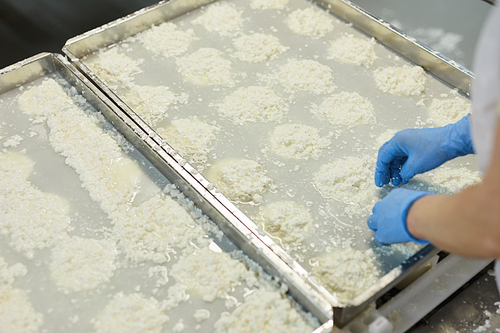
[298, 141]
[352, 50]
[201, 315]
[287, 220]
[114, 67]
[191, 137]
[404, 80]
[310, 22]
[33, 219]
[346, 108]
[258, 47]
[349, 180]
[16, 312]
[221, 17]
[206, 67]
[154, 229]
[150, 103]
[8, 274]
[306, 75]
[447, 111]
[447, 180]
[241, 180]
[264, 311]
[383, 138]
[268, 4]
[13, 141]
[130, 314]
[346, 273]
[253, 104]
[166, 40]
[79, 264]
[178, 327]
[209, 274]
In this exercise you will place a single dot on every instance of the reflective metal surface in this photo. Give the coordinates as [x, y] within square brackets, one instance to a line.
[238, 226]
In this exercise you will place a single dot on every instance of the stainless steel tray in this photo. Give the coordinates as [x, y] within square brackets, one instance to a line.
[155, 150]
[445, 75]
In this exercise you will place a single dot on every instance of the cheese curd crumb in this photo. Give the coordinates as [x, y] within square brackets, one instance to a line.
[264, 311]
[287, 220]
[131, 313]
[404, 80]
[349, 180]
[448, 111]
[298, 141]
[166, 39]
[310, 22]
[346, 109]
[346, 272]
[258, 47]
[252, 104]
[352, 50]
[221, 17]
[241, 180]
[306, 75]
[206, 66]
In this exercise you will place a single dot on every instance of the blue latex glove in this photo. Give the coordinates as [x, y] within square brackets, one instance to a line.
[388, 218]
[414, 151]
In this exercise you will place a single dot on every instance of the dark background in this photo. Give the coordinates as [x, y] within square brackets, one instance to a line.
[28, 27]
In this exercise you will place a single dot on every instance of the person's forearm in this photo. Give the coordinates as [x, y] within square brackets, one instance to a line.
[467, 223]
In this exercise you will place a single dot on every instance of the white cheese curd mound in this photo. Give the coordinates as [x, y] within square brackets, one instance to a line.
[153, 230]
[268, 4]
[150, 103]
[349, 180]
[16, 311]
[448, 111]
[115, 68]
[404, 80]
[33, 219]
[306, 75]
[109, 175]
[351, 50]
[241, 180]
[346, 109]
[258, 47]
[446, 180]
[287, 220]
[191, 137]
[206, 67]
[221, 17]
[209, 274]
[35, 101]
[310, 22]
[346, 272]
[77, 133]
[264, 311]
[298, 141]
[79, 264]
[132, 313]
[252, 104]
[166, 39]
[9, 274]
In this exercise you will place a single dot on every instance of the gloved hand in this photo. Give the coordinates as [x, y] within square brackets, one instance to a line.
[414, 151]
[388, 218]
